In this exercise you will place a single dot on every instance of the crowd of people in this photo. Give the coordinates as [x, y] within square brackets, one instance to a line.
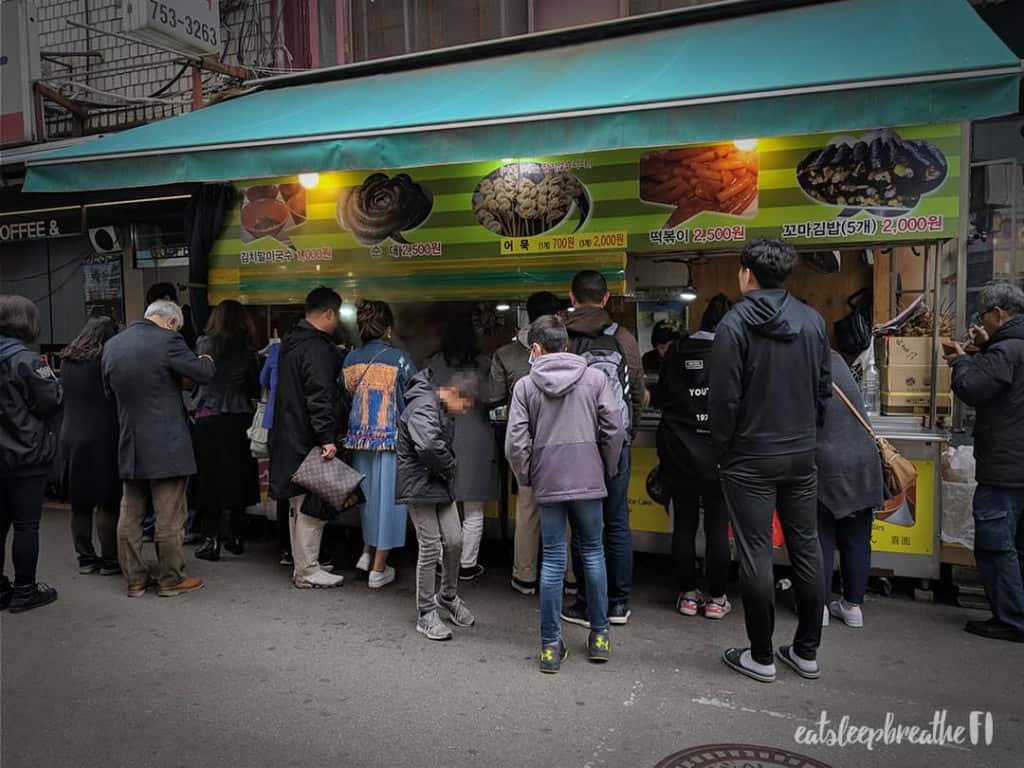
[759, 417]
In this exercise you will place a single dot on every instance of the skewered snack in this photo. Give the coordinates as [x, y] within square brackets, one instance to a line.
[719, 178]
[383, 207]
[528, 199]
[880, 171]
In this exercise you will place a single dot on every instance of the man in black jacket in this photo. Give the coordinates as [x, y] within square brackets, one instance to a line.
[770, 383]
[992, 382]
[307, 414]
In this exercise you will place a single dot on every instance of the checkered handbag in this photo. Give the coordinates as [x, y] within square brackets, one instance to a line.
[334, 481]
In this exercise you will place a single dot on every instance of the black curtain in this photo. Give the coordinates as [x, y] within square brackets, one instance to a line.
[204, 220]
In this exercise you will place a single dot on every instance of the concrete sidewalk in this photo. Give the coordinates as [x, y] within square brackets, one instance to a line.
[251, 672]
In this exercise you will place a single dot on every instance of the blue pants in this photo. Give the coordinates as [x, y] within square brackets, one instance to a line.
[852, 536]
[585, 517]
[999, 550]
[618, 538]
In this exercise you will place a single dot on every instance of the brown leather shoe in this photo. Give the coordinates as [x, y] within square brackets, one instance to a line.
[189, 584]
[138, 590]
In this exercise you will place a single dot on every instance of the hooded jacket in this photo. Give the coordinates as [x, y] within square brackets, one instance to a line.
[510, 363]
[565, 431]
[592, 321]
[770, 379]
[307, 408]
[992, 382]
[425, 461]
[30, 397]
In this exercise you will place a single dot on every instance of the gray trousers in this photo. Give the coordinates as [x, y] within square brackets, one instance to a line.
[436, 523]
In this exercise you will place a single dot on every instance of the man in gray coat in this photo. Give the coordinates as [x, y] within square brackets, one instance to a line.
[143, 370]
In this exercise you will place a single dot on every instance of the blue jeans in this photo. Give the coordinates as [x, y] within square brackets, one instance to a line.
[999, 550]
[585, 517]
[618, 537]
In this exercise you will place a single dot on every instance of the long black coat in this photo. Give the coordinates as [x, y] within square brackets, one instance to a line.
[89, 436]
[307, 408]
[143, 368]
[849, 465]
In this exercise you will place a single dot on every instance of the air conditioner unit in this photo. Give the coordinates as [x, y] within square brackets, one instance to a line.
[105, 240]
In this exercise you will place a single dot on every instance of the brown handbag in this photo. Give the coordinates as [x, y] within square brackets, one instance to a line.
[898, 472]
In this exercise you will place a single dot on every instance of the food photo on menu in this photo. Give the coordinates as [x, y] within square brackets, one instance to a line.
[719, 178]
[271, 210]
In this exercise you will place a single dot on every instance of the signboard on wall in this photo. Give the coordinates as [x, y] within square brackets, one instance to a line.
[473, 224]
[185, 25]
[906, 525]
[19, 68]
[40, 224]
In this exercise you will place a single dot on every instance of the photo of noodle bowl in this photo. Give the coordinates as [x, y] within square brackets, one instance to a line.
[718, 178]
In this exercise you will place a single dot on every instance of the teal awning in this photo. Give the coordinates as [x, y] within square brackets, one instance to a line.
[832, 66]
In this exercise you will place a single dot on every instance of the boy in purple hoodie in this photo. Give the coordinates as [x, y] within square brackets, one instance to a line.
[565, 434]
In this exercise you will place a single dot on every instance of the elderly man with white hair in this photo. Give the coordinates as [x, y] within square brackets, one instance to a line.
[145, 369]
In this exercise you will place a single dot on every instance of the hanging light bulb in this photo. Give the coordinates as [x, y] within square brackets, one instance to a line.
[503, 307]
[746, 145]
[688, 294]
[309, 180]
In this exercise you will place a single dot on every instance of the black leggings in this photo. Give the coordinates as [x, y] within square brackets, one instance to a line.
[106, 529]
[21, 506]
[686, 506]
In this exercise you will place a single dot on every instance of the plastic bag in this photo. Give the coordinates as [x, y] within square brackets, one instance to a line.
[958, 513]
[958, 464]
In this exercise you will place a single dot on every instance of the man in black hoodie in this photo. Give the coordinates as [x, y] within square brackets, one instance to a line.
[992, 382]
[770, 383]
[307, 414]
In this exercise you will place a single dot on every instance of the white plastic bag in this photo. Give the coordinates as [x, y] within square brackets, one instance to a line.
[958, 464]
[958, 513]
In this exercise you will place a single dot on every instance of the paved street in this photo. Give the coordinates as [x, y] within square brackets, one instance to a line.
[251, 672]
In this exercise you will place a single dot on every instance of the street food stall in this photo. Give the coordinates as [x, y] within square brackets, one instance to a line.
[470, 178]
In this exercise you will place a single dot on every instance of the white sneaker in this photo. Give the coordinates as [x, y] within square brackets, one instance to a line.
[319, 580]
[850, 614]
[380, 579]
[824, 618]
[364, 562]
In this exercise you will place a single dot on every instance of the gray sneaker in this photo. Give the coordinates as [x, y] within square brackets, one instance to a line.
[431, 625]
[457, 610]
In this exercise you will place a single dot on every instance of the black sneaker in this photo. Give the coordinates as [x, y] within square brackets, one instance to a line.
[209, 551]
[577, 614]
[235, 545]
[6, 593]
[571, 588]
[551, 657]
[286, 559]
[994, 629]
[473, 572]
[33, 596]
[110, 569]
[619, 614]
[524, 587]
[599, 646]
[87, 565]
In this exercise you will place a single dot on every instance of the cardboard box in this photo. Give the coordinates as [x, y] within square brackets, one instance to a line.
[914, 404]
[906, 350]
[907, 379]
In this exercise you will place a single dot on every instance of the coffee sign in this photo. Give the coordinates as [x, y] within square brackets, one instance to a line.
[41, 224]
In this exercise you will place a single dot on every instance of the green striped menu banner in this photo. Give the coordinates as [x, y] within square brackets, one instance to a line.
[503, 229]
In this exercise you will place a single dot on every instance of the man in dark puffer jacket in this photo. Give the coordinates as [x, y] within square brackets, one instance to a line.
[992, 381]
[423, 481]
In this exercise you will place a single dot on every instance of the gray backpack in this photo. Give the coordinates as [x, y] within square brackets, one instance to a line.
[605, 354]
